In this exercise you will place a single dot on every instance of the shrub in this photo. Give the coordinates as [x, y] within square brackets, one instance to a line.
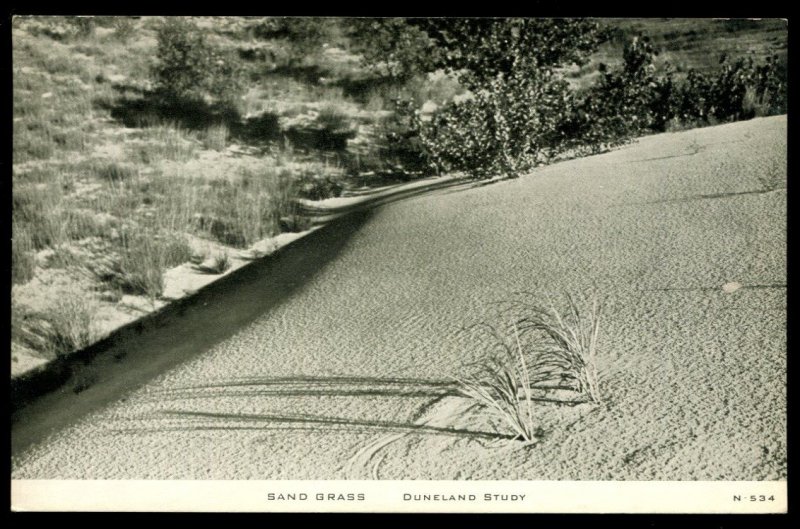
[634, 99]
[729, 89]
[693, 98]
[304, 33]
[505, 129]
[391, 46]
[742, 89]
[189, 69]
[771, 84]
[621, 104]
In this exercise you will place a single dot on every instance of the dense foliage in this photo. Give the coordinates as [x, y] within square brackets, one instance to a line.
[521, 112]
[510, 121]
[188, 68]
[635, 100]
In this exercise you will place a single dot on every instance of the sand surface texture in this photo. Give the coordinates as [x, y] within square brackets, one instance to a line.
[332, 361]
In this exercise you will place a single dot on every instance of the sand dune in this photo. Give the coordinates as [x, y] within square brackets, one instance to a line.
[335, 363]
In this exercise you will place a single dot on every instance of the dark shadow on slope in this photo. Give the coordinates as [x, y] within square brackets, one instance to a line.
[307, 74]
[257, 130]
[362, 88]
[73, 386]
[137, 108]
[148, 108]
[145, 108]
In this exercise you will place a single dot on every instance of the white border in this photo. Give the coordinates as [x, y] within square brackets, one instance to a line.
[730, 497]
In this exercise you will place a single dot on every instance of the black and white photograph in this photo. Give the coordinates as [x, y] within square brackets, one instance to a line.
[437, 264]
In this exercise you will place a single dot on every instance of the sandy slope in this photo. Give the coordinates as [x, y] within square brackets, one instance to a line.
[347, 376]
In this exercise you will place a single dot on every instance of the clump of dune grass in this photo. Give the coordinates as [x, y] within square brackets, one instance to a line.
[334, 118]
[559, 352]
[504, 387]
[565, 342]
[220, 262]
[162, 141]
[38, 210]
[115, 172]
[22, 258]
[66, 326]
[215, 137]
[145, 257]
[217, 263]
[248, 207]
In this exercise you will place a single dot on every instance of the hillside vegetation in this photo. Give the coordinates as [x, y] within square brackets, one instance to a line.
[140, 144]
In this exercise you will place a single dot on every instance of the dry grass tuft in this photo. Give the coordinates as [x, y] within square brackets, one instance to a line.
[498, 389]
[215, 137]
[67, 325]
[565, 342]
[220, 262]
[561, 350]
[145, 258]
[23, 261]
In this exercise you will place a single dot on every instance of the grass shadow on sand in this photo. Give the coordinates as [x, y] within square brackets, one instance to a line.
[309, 386]
[284, 421]
[332, 386]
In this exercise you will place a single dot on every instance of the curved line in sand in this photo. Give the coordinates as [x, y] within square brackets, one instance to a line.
[360, 465]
